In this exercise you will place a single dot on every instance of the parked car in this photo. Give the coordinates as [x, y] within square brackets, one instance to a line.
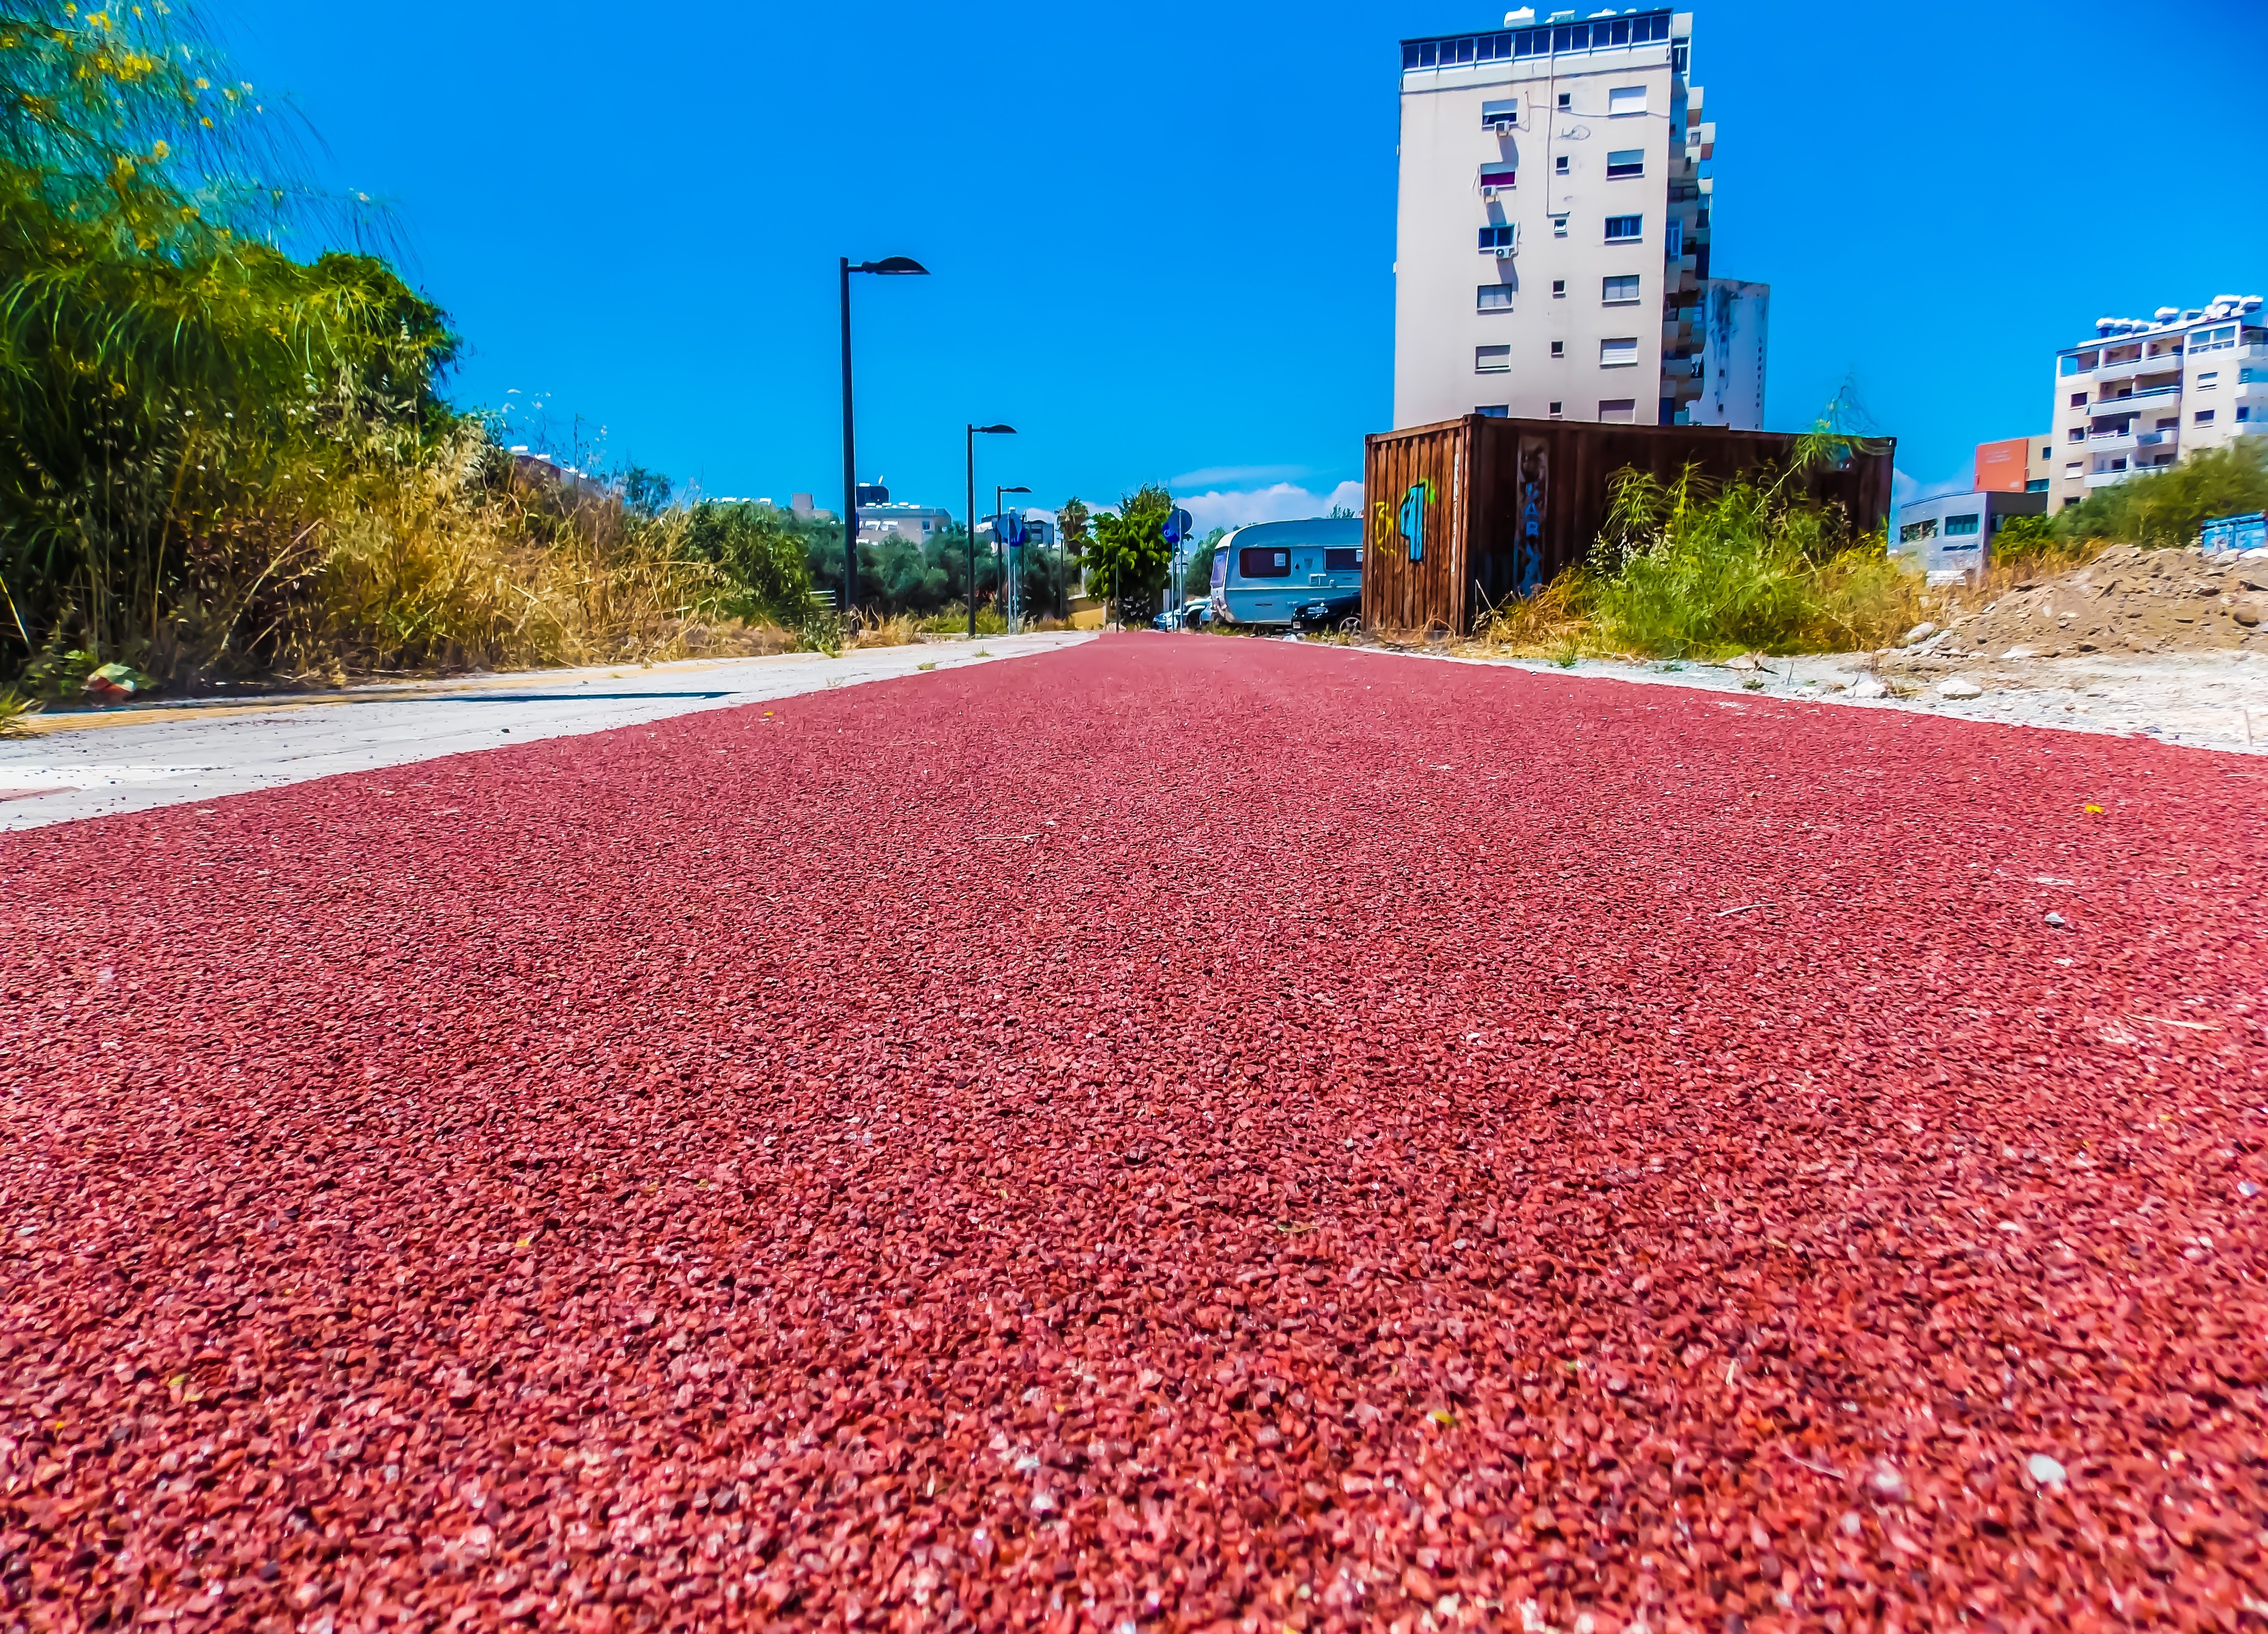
[1341, 610]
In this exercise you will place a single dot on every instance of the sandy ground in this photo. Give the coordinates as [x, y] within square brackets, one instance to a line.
[2197, 700]
[94, 763]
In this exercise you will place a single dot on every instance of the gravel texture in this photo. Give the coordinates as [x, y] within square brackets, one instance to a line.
[1173, 1133]
[2127, 600]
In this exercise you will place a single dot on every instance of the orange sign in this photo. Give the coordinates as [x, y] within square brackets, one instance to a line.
[2000, 466]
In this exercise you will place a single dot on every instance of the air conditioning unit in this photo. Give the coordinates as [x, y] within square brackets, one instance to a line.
[1502, 127]
[1504, 252]
[1488, 193]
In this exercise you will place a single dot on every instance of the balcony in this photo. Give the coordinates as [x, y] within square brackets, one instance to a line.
[2104, 442]
[2139, 395]
[2105, 479]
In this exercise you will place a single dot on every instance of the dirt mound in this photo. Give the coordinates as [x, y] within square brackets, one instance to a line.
[2127, 600]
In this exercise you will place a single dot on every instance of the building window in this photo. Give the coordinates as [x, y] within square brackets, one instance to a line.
[1558, 289]
[2038, 485]
[1259, 562]
[2078, 434]
[2244, 411]
[1559, 349]
[1625, 162]
[2078, 363]
[1497, 178]
[2071, 469]
[1559, 164]
[1624, 229]
[2047, 451]
[1912, 533]
[1487, 411]
[1558, 226]
[1618, 354]
[1554, 411]
[2203, 416]
[1960, 525]
[1618, 410]
[1493, 297]
[2079, 400]
[1498, 237]
[2213, 339]
[1621, 291]
[2207, 380]
[1567, 99]
[1674, 238]
[1491, 359]
[1626, 99]
[1493, 114]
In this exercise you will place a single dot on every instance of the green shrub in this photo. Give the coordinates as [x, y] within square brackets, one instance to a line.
[1695, 568]
[2171, 506]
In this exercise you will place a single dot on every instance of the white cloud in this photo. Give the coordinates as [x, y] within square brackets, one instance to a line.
[1281, 502]
[1213, 474]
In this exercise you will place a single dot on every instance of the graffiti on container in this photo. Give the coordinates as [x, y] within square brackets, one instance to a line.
[1413, 517]
[1528, 569]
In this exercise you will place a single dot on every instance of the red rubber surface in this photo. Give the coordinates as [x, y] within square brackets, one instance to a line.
[1174, 1131]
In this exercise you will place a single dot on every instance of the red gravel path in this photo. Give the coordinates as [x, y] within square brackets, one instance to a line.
[1176, 1130]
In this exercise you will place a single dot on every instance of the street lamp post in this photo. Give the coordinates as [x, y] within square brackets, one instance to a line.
[975, 432]
[893, 266]
[1008, 561]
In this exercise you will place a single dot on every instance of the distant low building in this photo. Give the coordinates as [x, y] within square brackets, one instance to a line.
[1950, 538]
[1040, 527]
[916, 525]
[2015, 465]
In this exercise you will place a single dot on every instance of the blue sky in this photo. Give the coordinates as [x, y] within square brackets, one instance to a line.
[1163, 235]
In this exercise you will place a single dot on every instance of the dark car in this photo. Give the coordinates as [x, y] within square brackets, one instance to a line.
[1340, 612]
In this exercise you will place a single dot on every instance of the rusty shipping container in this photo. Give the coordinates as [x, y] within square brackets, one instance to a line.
[1460, 515]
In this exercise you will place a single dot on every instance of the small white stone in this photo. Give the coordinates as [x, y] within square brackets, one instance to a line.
[2045, 1469]
[1959, 686]
[1886, 1481]
[1741, 662]
[1868, 686]
[2057, 921]
[1922, 631]
[2020, 652]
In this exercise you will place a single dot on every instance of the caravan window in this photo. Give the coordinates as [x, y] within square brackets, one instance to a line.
[1346, 560]
[1259, 562]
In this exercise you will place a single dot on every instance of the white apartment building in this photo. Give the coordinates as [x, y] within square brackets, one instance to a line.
[1553, 237]
[2146, 391]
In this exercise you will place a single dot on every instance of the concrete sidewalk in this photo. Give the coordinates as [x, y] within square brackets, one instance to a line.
[100, 764]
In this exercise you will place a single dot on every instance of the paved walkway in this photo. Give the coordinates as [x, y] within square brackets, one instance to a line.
[95, 765]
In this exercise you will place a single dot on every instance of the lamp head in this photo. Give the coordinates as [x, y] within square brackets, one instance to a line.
[1010, 430]
[1015, 490]
[892, 266]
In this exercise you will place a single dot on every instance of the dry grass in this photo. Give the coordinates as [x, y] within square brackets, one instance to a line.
[15, 712]
[431, 568]
[1550, 623]
[874, 629]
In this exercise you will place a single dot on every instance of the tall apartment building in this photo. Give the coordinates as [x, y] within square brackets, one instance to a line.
[2146, 391]
[1552, 238]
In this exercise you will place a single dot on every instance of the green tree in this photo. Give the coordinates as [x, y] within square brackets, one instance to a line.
[2170, 506]
[176, 392]
[1196, 573]
[1128, 560]
[765, 558]
[1070, 521]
